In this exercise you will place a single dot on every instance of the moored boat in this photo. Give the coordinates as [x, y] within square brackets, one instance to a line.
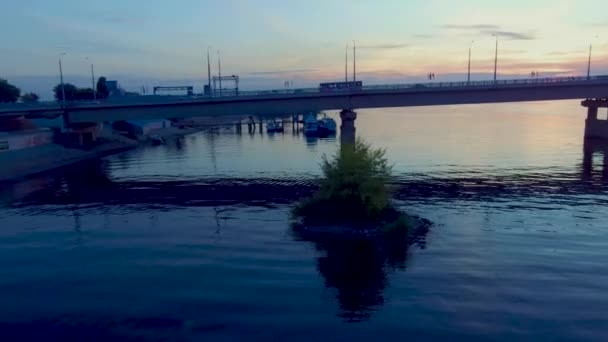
[326, 126]
[274, 127]
[311, 126]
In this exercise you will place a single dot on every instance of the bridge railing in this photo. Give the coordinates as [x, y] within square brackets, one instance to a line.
[414, 87]
[426, 85]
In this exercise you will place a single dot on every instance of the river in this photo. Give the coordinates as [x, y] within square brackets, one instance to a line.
[191, 241]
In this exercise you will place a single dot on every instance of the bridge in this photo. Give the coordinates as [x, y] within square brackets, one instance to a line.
[299, 101]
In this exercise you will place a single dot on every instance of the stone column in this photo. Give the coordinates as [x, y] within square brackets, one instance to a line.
[595, 128]
[592, 113]
[347, 128]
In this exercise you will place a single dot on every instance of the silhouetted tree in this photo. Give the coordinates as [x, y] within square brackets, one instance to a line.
[8, 92]
[30, 98]
[84, 94]
[70, 92]
[102, 88]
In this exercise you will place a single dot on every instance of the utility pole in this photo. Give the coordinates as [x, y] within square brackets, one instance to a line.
[469, 71]
[589, 62]
[93, 82]
[219, 70]
[495, 57]
[61, 78]
[208, 71]
[346, 64]
[354, 62]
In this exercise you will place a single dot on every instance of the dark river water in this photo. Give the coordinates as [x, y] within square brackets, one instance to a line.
[191, 241]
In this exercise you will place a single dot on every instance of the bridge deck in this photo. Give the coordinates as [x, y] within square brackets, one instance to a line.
[312, 99]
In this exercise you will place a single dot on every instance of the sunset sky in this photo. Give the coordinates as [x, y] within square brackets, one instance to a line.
[267, 42]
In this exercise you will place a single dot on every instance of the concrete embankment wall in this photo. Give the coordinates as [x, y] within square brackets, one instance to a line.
[22, 163]
[12, 141]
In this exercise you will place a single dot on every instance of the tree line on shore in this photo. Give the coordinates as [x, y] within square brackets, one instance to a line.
[9, 93]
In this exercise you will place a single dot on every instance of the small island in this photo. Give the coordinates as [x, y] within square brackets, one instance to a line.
[354, 201]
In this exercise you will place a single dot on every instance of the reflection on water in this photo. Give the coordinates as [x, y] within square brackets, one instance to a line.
[358, 269]
[595, 160]
[191, 240]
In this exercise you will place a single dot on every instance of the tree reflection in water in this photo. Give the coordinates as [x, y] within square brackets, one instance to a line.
[358, 268]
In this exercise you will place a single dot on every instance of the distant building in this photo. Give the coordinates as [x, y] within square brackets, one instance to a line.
[112, 86]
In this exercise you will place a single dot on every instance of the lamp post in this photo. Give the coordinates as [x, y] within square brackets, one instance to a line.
[93, 81]
[469, 70]
[61, 78]
[354, 62]
[346, 64]
[495, 57]
[219, 70]
[589, 62]
[208, 70]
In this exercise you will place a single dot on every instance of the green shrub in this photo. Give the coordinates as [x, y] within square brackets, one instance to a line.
[353, 189]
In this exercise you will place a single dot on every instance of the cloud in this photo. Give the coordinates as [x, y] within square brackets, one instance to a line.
[115, 17]
[387, 46]
[565, 53]
[423, 36]
[598, 24]
[470, 27]
[489, 29]
[283, 72]
[510, 35]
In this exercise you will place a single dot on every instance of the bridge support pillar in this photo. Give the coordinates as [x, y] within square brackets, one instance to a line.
[592, 113]
[595, 128]
[347, 127]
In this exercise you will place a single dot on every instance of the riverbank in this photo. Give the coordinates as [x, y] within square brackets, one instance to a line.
[23, 163]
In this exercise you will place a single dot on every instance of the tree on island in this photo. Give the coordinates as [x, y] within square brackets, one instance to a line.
[8, 92]
[30, 98]
[363, 236]
[354, 192]
[102, 88]
[69, 89]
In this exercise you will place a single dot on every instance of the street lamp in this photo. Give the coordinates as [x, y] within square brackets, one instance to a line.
[469, 71]
[589, 62]
[219, 70]
[495, 57]
[208, 70]
[93, 80]
[346, 64]
[354, 62]
[61, 77]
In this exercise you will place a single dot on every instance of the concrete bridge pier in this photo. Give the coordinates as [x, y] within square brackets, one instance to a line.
[347, 127]
[251, 125]
[595, 128]
[593, 147]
